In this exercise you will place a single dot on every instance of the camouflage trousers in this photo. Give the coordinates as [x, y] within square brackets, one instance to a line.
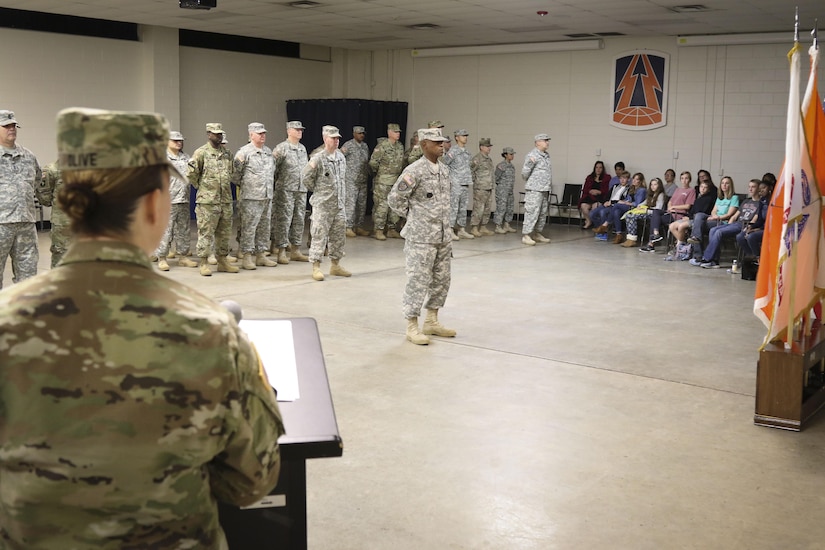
[459, 200]
[356, 203]
[482, 206]
[504, 204]
[254, 217]
[61, 237]
[178, 229]
[535, 211]
[214, 228]
[327, 229]
[428, 276]
[382, 216]
[18, 240]
[287, 221]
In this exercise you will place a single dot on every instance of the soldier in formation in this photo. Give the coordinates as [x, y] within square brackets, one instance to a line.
[290, 198]
[59, 234]
[538, 175]
[505, 181]
[357, 154]
[178, 230]
[387, 162]
[481, 168]
[458, 161]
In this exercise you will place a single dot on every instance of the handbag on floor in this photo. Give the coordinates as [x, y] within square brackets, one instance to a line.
[684, 251]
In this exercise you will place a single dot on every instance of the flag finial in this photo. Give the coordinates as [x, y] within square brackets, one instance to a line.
[814, 32]
[796, 25]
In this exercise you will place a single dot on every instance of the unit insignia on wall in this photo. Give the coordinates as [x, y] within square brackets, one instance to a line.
[639, 90]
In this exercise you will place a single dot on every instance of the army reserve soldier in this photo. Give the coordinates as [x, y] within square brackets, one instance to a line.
[130, 402]
[538, 174]
[422, 196]
[20, 175]
[289, 203]
[254, 172]
[458, 161]
[505, 181]
[357, 154]
[59, 234]
[481, 167]
[210, 172]
[386, 162]
[178, 229]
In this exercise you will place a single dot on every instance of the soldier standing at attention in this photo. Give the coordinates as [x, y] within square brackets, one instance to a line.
[386, 162]
[538, 174]
[481, 167]
[210, 172]
[357, 154]
[254, 172]
[289, 203]
[458, 161]
[325, 176]
[20, 175]
[59, 234]
[505, 181]
[178, 229]
[422, 196]
[131, 403]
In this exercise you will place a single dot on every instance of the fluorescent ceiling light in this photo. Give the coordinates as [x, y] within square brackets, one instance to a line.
[568, 46]
[737, 39]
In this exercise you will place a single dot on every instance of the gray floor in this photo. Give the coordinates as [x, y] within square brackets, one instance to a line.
[595, 397]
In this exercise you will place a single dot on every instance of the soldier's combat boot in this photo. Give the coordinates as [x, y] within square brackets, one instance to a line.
[455, 234]
[393, 233]
[475, 232]
[508, 228]
[295, 254]
[337, 270]
[212, 260]
[223, 265]
[432, 326]
[248, 262]
[463, 234]
[350, 232]
[273, 249]
[379, 234]
[162, 264]
[283, 257]
[317, 274]
[539, 238]
[414, 334]
[262, 260]
[499, 230]
[204, 267]
[361, 232]
[525, 239]
[484, 231]
[183, 261]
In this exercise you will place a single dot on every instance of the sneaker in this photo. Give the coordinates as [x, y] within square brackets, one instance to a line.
[601, 237]
[648, 248]
[656, 238]
[694, 240]
[710, 265]
[670, 258]
[695, 261]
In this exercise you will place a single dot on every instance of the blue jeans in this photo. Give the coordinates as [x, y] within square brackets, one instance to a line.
[599, 215]
[615, 216]
[715, 239]
[751, 243]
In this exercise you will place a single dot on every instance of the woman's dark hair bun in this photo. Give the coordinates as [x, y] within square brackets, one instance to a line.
[78, 201]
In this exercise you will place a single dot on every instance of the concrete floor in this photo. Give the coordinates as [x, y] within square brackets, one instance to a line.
[595, 397]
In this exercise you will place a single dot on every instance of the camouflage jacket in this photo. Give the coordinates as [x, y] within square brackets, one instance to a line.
[19, 176]
[413, 154]
[210, 172]
[481, 167]
[422, 195]
[537, 171]
[289, 162]
[505, 174]
[50, 186]
[387, 162]
[129, 403]
[254, 171]
[457, 160]
[325, 176]
[178, 189]
[358, 158]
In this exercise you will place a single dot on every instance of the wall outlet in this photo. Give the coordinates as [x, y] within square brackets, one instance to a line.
[598, 152]
[675, 154]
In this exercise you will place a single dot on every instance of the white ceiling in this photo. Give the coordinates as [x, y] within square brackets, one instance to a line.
[382, 24]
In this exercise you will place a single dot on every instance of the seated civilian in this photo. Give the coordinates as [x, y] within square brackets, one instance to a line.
[594, 192]
[677, 208]
[655, 200]
[750, 238]
[635, 196]
[670, 182]
[726, 206]
[598, 215]
[704, 203]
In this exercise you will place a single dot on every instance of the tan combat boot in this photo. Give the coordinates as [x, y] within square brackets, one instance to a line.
[337, 270]
[273, 249]
[393, 233]
[295, 254]
[317, 274]
[500, 230]
[379, 234]
[362, 232]
[508, 228]
[432, 326]
[283, 257]
[350, 232]
[223, 265]
[525, 239]
[183, 261]
[539, 238]
[212, 260]
[204, 267]
[248, 262]
[262, 260]
[463, 234]
[484, 231]
[475, 232]
[162, 264]
[455, 234]
[414, 334]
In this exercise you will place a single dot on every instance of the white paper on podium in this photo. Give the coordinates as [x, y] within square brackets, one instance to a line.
[275, 345]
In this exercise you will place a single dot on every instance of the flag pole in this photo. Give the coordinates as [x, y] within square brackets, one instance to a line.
[790, 332]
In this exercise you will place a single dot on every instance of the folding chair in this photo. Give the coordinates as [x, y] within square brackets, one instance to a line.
[569, 199]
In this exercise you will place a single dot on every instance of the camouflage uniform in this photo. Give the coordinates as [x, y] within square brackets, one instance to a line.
[178, 228]
[19, 176]
[413, 154]
[505, 182]
[60, 234]
[457, 160]
[422, 195]
[210, 172]
[289, 202]
[358, 157]
[122, 413]
[481, 167]
[387, 162]
[254, 171]
[538, 173]
[325, 176]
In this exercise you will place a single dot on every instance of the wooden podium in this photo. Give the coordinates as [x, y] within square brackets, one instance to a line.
[312, 432]
[790, 384]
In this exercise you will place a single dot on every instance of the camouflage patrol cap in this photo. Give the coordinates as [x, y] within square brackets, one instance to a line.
[541, 137]
[7, 117]
[214, 127]
[91, 139]
[330, 131]
[461, 132]
[358, 130]
[256, 127]
[295, 124]
[175, 136]
[431, 134]
[393, 128]
[508, 151]
[484, 142]
[435, 124]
